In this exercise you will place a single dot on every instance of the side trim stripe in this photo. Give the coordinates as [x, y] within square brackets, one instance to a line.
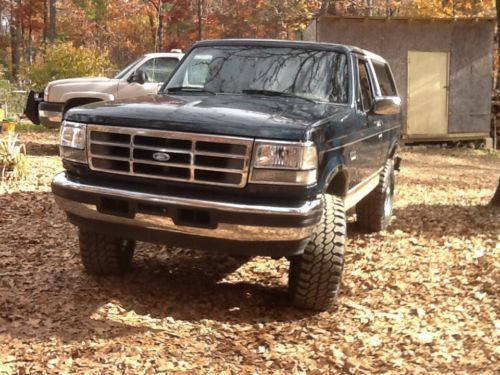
[361, 139]
[358, 192]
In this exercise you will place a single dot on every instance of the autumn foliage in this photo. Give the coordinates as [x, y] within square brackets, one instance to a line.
[63, 59]
[127, 28]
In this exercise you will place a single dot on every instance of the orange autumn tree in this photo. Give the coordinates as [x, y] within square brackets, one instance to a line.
[128, 28]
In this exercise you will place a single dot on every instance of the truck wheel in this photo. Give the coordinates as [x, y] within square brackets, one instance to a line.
[105, 255]
[314, 277]
[375, 210]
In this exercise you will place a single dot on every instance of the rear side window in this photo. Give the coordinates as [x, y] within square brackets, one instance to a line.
[384, 77]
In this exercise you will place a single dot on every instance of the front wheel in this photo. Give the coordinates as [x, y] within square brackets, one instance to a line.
[315, 276]
[103, 254]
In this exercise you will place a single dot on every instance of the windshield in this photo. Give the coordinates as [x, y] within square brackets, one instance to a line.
[301, 72]
[128, 68]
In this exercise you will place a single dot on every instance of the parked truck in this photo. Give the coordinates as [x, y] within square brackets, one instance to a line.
[252, 147]
[142, 77]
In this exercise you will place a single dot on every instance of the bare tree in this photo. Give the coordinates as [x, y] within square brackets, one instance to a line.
[325, 6]
[158, 7]
[15, 36]
[200, 19]
[369, 7]
[52, 21]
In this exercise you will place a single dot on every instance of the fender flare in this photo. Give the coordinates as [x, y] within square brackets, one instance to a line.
[87, 95]
[393, 149]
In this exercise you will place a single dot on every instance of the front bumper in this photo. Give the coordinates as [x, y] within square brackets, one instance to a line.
[50, 114]
[277, 230]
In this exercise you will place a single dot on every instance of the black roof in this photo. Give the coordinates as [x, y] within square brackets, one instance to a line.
[286, 43]
[275, 43]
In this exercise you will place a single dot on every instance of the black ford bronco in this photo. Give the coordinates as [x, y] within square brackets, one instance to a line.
[253, 147]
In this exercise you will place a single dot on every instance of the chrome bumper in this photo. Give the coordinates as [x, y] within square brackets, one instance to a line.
[50, 118]
[50, 113]
[235, 232]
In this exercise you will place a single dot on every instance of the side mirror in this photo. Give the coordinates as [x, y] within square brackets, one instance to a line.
[139, 76]
[387, 105]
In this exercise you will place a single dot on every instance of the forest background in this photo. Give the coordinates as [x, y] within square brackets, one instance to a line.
[42, 40]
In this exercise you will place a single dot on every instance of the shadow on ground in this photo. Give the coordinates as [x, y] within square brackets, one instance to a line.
[44, 291]
[42, 149]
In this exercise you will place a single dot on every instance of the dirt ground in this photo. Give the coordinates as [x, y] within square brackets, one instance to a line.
[421, 297]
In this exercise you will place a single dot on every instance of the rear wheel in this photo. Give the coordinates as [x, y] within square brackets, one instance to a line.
[103, 254]
[374, 212]
[315, 276]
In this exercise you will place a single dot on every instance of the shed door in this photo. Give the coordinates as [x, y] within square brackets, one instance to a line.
[427, 93]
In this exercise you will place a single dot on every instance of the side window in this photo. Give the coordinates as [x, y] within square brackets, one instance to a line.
[385, 80]
[365, 89]
[149, 67]
[159, 69]
[163, 68]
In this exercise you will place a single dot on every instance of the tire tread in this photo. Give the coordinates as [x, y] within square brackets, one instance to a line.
[315, 276]
[370, 210]
[104, 255]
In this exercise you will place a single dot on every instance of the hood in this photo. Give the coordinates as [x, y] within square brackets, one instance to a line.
[234, 115]
[79, 80]
[56, 89]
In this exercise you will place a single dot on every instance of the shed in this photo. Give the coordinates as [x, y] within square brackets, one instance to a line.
[443, 69]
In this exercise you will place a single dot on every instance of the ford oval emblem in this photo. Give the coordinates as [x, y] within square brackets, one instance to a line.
[161, 156]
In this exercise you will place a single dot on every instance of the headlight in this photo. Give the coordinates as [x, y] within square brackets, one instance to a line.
[72, 141]
[290, 163]
[46, 93]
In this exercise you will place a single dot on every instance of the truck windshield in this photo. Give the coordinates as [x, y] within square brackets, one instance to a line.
[295, 72]
[128, 68]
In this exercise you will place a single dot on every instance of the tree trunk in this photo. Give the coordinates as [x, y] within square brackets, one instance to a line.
[325, 6]
[200, 20]
[152, 29]
[30, 33]
[45, 21]
[369, 7]
[495, 201]
[15, 39]
[498, 45]
[159, 31]
[52, 20]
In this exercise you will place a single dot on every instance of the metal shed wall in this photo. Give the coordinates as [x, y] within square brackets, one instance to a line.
[468, 42]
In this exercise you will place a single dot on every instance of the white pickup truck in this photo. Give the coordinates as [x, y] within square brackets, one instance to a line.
[142, 77]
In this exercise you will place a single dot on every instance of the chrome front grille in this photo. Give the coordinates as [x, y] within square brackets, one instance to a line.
[166, 155]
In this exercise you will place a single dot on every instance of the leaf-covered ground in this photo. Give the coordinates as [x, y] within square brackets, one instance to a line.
[421, 297]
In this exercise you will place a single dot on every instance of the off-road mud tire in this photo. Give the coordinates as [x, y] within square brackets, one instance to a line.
[374, 212]
[315, 276]
[105, 255]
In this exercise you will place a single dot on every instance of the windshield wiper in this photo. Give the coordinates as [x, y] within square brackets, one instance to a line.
[276, 93]
[190, 89]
